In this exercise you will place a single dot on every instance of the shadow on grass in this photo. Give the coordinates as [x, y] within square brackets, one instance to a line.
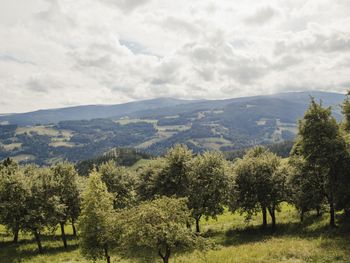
[16, 253]
[312, 227]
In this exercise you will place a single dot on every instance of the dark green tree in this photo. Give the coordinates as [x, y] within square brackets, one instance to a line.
[66, 189]
[323, 148]
[208, 186]
[259, 185]
[120, 182]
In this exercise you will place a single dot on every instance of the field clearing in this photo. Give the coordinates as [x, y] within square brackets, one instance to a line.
[12, 146]
[44, 130]
[23, 157]
[128, 121]
[237, 240]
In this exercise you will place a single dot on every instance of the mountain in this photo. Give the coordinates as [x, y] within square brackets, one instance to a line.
[152, 126]
[87, 112]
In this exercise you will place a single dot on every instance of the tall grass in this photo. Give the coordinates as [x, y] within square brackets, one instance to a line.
[236, 239]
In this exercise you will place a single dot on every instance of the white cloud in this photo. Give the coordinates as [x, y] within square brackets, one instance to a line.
[62, 52]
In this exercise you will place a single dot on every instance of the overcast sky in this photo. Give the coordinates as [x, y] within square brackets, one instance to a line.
[58, 53]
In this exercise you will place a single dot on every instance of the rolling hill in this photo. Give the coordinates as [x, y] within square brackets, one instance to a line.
[154, 125]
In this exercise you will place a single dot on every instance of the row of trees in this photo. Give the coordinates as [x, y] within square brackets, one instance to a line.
[150, 212]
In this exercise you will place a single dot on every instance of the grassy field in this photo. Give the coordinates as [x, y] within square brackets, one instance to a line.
[236, 241]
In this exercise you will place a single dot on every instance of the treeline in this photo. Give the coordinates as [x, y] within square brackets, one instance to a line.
[151, 212]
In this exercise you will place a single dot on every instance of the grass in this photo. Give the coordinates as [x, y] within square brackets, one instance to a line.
[236, 239]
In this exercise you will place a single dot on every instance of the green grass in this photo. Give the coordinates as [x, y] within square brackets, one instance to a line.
[236, 239]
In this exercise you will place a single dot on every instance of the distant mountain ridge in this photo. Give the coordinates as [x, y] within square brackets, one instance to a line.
[158, 106]
[152, 126]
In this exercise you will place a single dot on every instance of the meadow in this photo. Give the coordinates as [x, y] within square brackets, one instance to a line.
[236, 240]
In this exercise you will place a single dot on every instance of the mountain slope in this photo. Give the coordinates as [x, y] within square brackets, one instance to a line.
[152, 127]
[87, 112]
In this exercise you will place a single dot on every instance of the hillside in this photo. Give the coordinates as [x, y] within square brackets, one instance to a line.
[154, 125]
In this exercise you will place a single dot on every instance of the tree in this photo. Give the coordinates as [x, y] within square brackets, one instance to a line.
[95, 221]
[173, 180]
[147, 178]
[208, 186]
[119, 182]
[259, 184]
[156, 228]
[323, 148]
[14, 192]
[42, 205]
[305, 191]
[66, 188]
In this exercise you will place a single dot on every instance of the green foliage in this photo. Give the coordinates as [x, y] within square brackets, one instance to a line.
[174, 178]
[120, 182]
[259, 184]
[208, 186]
[14, 192]
[147, 179]
[156, 228]
[95, 221]
[323, 148]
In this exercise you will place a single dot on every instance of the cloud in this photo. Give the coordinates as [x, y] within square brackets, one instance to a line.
[127, 5]
[60, 52]
[261, 16]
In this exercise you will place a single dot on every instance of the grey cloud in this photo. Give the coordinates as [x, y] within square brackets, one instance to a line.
[311, 41]
[10, 58]
[127, 5]
[43, 84]
[180, 25]
[261, 16]
[286, 62]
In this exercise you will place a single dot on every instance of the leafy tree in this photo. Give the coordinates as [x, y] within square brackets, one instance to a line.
[14, 191]
[208, 186]
[147, 179]
[119, 182]
[173, 180]
[305, 191]
[320, 143]
[259, 184]
[95, 221]
[42, 205]
[66, 189]
[156, 228]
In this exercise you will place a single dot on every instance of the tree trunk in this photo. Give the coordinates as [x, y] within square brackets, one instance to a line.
[302, 215]
[15, 233]
[63, 234]
[38, 241]
[188, 225]
[197, 225]
[273, 216]
[264, 215]
[318, 212]
[108, 258]
[166, 256]
[332, 214]
[74, 229]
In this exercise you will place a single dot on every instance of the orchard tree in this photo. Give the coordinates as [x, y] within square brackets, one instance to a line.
[174, 180]
[119, 182]
[96, 219]
[66, 189]
[157, 228]
[305, 191]
[14, 192]
[42, 205]
[259, 184]
[208, 186]
[320, 143]
[146, 186]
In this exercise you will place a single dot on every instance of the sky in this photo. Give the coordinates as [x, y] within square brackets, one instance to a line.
[60, 53]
